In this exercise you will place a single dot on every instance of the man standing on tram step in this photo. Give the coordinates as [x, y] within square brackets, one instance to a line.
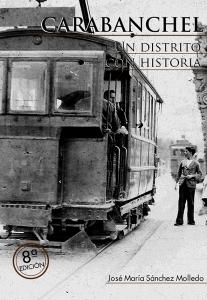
[188, 175]
[110, 120]
[111, 95]
[117, 120]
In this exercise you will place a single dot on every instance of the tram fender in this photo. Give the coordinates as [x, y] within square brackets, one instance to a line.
[80, 242]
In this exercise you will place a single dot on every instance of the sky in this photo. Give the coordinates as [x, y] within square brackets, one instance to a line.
[180, 114]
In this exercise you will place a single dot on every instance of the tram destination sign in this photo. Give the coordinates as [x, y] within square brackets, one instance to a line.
[33, 16]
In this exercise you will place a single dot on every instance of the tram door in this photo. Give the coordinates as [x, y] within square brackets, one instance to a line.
[135, 142]
[118, 142]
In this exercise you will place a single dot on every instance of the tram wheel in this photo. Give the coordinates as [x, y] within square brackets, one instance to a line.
[6, 233]
[120, 235]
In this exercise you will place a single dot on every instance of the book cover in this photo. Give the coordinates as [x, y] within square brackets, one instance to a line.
[152, 56]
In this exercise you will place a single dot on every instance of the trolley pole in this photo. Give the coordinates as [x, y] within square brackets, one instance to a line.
[85, 14]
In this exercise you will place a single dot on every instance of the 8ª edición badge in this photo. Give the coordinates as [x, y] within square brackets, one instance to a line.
[30, 261]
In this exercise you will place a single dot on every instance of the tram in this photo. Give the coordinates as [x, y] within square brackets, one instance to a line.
[60, 171]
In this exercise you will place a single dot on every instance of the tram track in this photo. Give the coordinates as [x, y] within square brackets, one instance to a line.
[100, 249]
[89, 264]
[66, 270]
[17, 239]
[108, 254]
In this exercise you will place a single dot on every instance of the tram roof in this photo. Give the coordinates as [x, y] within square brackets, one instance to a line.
[182, 144]
[109, 43]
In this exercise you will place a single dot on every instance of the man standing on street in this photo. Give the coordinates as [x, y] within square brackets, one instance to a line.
[188, 175]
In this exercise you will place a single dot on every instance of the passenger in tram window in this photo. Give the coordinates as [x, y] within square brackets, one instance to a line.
[117, 120]
[188, 175]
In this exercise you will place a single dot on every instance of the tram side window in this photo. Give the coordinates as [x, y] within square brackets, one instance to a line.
[134, 106]
[73, 86]
[139, 106]
[155, 121]
[148, 115]
[182, 152]
[151, 117]
[28, 86]
[144, 111]
[1, 83]
[176, 152]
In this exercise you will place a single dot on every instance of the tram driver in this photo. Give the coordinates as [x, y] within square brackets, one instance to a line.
[113, 117]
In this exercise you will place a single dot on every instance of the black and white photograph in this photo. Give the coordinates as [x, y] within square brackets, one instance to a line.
[103, 146]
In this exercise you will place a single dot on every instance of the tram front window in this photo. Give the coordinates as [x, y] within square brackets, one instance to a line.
[73, 86]
[28, 86]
